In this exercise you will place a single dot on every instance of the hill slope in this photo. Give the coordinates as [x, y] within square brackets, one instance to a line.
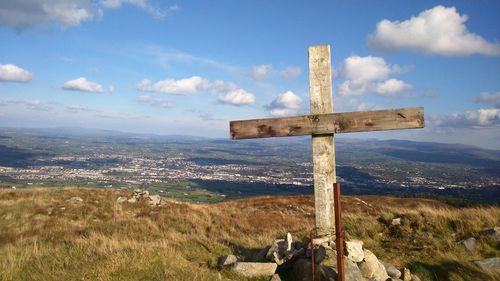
[46, 236]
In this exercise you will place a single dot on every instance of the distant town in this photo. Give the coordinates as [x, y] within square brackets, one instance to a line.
[198, 166]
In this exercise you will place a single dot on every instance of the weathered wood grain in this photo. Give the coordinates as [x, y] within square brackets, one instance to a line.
[323, 146]
[344, 122]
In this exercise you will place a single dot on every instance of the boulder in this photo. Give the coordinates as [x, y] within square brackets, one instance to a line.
[121, 199]
[351, 270]
[228, 260]
[254, 269]
[76, 199]
[354, 250]
[493, 232]
[302, 271]
[154, 200]
[372, 268]
[491, 264]
[406, 274]
[132, 200]
[396, 221]
[392, 271]
[468, 244]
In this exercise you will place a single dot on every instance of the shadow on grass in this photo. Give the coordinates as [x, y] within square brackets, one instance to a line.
[448, 270]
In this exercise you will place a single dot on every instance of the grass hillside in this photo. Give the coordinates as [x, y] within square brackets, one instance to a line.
[46, 236]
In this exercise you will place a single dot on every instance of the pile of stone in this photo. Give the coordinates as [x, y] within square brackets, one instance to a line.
[285, 255]
[141, 195]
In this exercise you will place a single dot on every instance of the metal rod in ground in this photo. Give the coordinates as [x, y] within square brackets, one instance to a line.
[313, 271]
[339, 239]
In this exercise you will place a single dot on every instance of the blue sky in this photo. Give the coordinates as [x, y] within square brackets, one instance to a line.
[170, 67]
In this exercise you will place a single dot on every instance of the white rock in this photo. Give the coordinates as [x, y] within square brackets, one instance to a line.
[121, 199]
[154, 200]
[254, 269]
[132, 200]
[354, 250]
[289, 242]
[396, 221]
[372, 268]
[76, 199]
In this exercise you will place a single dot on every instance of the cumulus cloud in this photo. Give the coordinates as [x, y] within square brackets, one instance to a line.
[20, 14]
[440, 30]
[260, 72]
[489, 98]
[285, 104]
[291, 72]
[237, 97]
[362, 69]
[369, 74]
[13, 73]
[164, 103]
[83, 85]
[481, 118]
[391, 87]
[192, 85]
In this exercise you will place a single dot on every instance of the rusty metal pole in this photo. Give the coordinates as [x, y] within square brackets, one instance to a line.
[313, 271]
[339, 239]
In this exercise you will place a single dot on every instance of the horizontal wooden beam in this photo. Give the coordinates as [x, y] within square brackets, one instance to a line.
[317, 124]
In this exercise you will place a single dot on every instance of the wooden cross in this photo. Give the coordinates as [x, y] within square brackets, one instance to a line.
[322, 123]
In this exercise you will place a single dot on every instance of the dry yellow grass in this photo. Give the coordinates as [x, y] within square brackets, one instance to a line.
[44, 236]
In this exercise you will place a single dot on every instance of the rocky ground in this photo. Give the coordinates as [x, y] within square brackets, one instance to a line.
[93, 234]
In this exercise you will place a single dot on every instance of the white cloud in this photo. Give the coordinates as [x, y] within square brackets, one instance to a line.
[141, 4]
[483, 117]
[13, 73]
[237, 97]
[291, 72]
[349, 88]
[164, 103]
[192, 85]
[362, 69]
[488, 98]
[20, 14]
[440, 30]
[29, 104]
[391, 87]
[260, 72]
[83, 85]
[361, 75]
[285, 104]
[76, 108]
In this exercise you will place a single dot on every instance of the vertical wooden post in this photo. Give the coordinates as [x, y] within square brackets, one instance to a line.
[339, 238]
[320, 88]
